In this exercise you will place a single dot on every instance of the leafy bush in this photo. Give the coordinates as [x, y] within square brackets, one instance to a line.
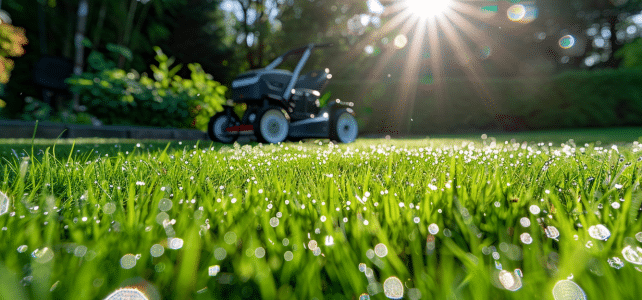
[166, 100]
[12, 39]
[39, 110]
[600, 98]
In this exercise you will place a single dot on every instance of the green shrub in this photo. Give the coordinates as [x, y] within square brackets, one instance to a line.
[166, 100]
[600, 98]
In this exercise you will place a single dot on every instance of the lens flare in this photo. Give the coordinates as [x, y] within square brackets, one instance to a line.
[428, 8]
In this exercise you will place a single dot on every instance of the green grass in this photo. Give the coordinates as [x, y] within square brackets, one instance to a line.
[94, 202]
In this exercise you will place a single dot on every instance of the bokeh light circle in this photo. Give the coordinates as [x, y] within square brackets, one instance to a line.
[567, 41]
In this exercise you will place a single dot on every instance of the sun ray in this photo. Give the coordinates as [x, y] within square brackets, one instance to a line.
[409, 76]
[464, 56]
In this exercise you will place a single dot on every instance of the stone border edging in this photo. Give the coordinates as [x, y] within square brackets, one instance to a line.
[13, 129]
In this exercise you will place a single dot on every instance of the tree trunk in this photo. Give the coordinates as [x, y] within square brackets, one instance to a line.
[613, 62]
[100, 24]
[83, 10]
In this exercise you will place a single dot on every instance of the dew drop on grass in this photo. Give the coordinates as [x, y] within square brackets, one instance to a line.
[156, 250]
[220, 253]
[288, 255]
[497, 204]
[416, 220]
[525, 222]
[534, 209]
[274, 221]
[495, 255]
[615, 205]
[317, 251]
[165, 204]
[362, 267]
[127, 293]
[568, 290]
[370, 253]
[312, 245]
[128, 261]
[4, 203]
[381, 250]
[43, 255]
[286, 241]
[22, 248]
[393, 288]
[510, 281]
[213, 270]
[638, 236]
[599, 232]
[80, 251]
[632, 255]
[109, 208]
[230, 237]
[175, 243]
[526, 238]
[364, 296]
[161, 218]
[259, 252]
[447, 232]
[329, 240]
[615, 262]
[433, 228]
[552, 232]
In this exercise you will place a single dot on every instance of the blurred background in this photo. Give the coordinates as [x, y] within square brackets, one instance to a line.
[410, 66]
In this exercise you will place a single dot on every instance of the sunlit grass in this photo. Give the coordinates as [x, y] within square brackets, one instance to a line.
[429, 218]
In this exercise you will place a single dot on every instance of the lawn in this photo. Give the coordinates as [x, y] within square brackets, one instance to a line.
[553, 215]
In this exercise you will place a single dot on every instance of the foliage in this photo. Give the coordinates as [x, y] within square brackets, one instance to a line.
[38, 110]
[12, 40]
[573, 99]
[118, 97]
[91, 217]
[631, 54]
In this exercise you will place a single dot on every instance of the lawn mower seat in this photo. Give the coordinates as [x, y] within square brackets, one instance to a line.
[315, 80]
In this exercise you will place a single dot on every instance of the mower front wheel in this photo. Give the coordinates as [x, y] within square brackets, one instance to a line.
[273, 126]
[343, 126]
[218, 124]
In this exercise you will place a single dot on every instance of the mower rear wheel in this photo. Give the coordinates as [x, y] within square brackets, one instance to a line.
[343, 127]
[273, 126]
[218, 124]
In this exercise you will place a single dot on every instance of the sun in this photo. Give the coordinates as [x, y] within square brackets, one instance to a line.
[428, 8]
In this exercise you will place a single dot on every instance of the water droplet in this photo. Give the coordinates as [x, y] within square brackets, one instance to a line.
[599, 232]
[615, 205]
[80, 251]
[568, 290]
[638, 236]
[370, 254]
[220, 253]
[416, 220]
[156, 250]
[312, 245]
[43, 255]
[362, 267]
[393, 288]
[510, 281]
[109, 208]
[165, 204]
[525, 222]
[534, 209]
[495, 255]
[615, 262]
[632, 255]
[526, 238]
[552, 232]
[433, 228]
[22, 249]
[286, 242]
[364, 296]
[175, 243]
[127, 293]
[381, 250]
[274, 221]
[128, 261]
[259, 252]
[213, 270]
[230, 237]
[288, 255]
[161, 218]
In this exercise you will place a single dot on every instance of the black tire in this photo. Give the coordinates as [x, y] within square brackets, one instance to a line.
[217, 125]
[272, 125]
[343, 126]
